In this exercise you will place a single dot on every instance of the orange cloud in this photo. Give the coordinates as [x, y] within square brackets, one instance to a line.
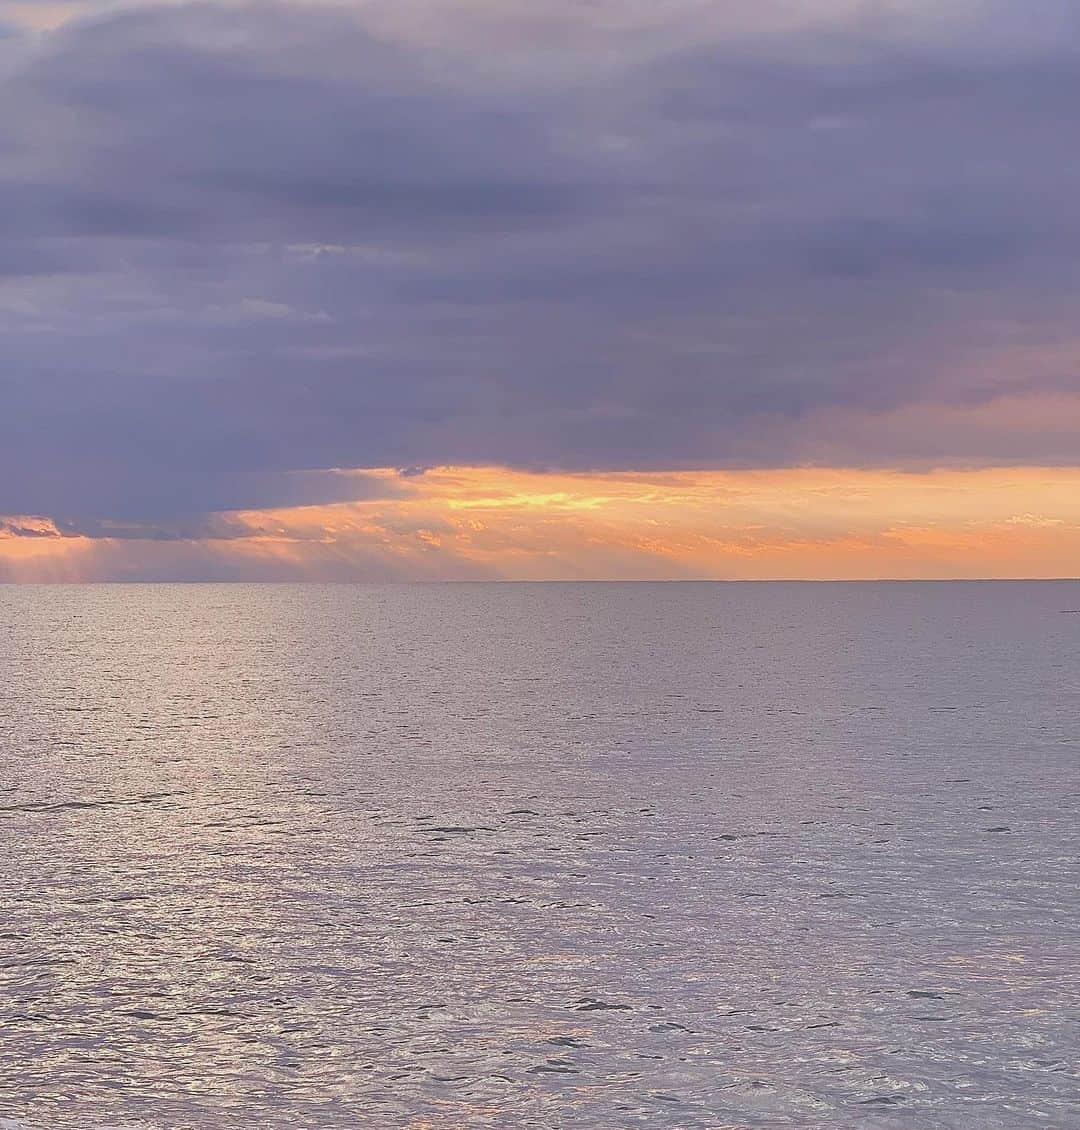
[490, 522]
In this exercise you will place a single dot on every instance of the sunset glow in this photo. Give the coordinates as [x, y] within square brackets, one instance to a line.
[489, 522]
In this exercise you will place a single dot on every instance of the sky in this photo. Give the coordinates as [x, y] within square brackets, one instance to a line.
[496, 289]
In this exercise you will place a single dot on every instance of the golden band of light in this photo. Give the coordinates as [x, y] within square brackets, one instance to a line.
[491, 522]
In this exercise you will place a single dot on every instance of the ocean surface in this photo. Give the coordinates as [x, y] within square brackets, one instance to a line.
[561, 855]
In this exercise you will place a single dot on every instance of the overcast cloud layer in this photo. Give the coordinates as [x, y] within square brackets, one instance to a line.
[246, 241]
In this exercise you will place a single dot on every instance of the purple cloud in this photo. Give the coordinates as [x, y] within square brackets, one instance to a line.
[248, 243]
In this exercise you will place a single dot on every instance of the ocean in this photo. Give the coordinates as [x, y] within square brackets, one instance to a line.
[673, 856]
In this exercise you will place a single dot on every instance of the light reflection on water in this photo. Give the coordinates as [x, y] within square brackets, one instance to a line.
[540, 856]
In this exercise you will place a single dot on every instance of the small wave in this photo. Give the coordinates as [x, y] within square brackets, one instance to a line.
[16, 1124]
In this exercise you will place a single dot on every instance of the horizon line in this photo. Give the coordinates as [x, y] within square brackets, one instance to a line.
[432, 582]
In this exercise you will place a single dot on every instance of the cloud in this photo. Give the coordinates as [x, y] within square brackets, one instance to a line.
[109, 494]
[257, 241]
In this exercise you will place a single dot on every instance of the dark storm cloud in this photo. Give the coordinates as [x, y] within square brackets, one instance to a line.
[242, 242]
[112, 493]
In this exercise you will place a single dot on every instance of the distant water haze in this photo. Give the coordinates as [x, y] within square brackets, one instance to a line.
[671, 856]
